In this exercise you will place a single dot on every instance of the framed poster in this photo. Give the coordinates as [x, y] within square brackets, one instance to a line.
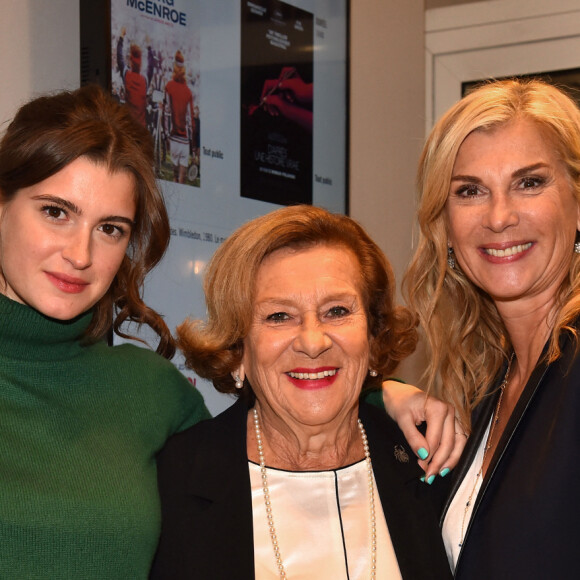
[277, 90]
[247, 104]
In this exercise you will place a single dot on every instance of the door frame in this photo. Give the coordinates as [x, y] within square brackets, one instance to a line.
[495, 39]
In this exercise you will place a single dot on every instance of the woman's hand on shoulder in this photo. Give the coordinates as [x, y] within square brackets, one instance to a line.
[444, 440]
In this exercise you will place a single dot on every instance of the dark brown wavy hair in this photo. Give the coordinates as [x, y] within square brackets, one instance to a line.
[214, 349]
[50, 132]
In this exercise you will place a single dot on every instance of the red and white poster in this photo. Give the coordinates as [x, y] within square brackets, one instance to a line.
[155, 56]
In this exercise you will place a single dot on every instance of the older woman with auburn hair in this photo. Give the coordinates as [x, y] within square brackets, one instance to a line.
[496, 283]
[298, 478]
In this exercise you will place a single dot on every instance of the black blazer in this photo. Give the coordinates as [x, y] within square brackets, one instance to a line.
[207, 529]
[526, 519]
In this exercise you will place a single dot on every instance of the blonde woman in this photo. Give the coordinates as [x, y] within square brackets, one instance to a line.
[495, 283]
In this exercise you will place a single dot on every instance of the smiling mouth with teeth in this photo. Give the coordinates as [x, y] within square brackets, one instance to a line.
[508, 251]
[312, 376]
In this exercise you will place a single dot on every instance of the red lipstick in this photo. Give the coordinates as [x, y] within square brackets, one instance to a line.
[310, 379]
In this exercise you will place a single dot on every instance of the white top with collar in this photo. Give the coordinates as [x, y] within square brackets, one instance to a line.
[322, 521]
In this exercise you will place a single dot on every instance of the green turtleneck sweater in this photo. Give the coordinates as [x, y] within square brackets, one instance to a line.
[79, 430]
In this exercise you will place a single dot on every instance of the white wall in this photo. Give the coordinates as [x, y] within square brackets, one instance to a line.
[387, 126]
[39, 49]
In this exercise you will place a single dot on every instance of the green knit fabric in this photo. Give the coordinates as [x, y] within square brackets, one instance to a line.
[79, 430]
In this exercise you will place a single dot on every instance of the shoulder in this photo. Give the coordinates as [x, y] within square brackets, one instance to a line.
[563, 373]
[226, 426]
[569, 362]
[156, 381]
[220, 441]
[140, 360]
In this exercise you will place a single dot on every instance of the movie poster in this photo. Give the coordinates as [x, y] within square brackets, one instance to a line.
[276, 102]
[155, 58]
[268, 139]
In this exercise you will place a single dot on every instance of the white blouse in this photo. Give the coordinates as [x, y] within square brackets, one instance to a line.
[459, 513]
[322, 521]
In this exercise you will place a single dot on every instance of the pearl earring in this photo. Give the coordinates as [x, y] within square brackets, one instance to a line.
[577, 247]
[239, 382]
[373, 373]
[451, 258]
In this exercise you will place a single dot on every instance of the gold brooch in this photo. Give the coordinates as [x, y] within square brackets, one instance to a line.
[400, 454]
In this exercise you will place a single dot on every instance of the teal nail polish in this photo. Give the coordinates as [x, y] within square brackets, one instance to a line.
[423, 453]
[444, 472]
[431, 479]
[422, 478]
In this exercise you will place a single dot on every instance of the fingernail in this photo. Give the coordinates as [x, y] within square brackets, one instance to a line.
[431, 479]
[422, 478]
[423, 453]
[444, 472]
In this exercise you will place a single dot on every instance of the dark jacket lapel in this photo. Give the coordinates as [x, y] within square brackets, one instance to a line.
[481, 418]
[207, 527]
[406, 501]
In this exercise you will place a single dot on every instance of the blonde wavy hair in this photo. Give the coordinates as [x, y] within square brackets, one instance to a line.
[466, 337]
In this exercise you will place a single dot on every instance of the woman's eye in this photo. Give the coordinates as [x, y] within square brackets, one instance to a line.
[54, 212]
[337, 312]
[531, 182]
[467, 190]
[113, 231]
[277, 317]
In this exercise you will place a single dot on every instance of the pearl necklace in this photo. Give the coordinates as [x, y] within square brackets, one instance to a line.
[487, 447]
[268, 502]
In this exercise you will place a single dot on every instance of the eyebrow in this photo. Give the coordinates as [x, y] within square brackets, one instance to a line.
[120, 219]
[60, 201]
[525, 170]
[78, 211]
[518, 173]
[282, 301]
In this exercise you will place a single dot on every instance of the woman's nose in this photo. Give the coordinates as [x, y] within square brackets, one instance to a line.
[312, 338]
[78, 250]
[500, 213]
